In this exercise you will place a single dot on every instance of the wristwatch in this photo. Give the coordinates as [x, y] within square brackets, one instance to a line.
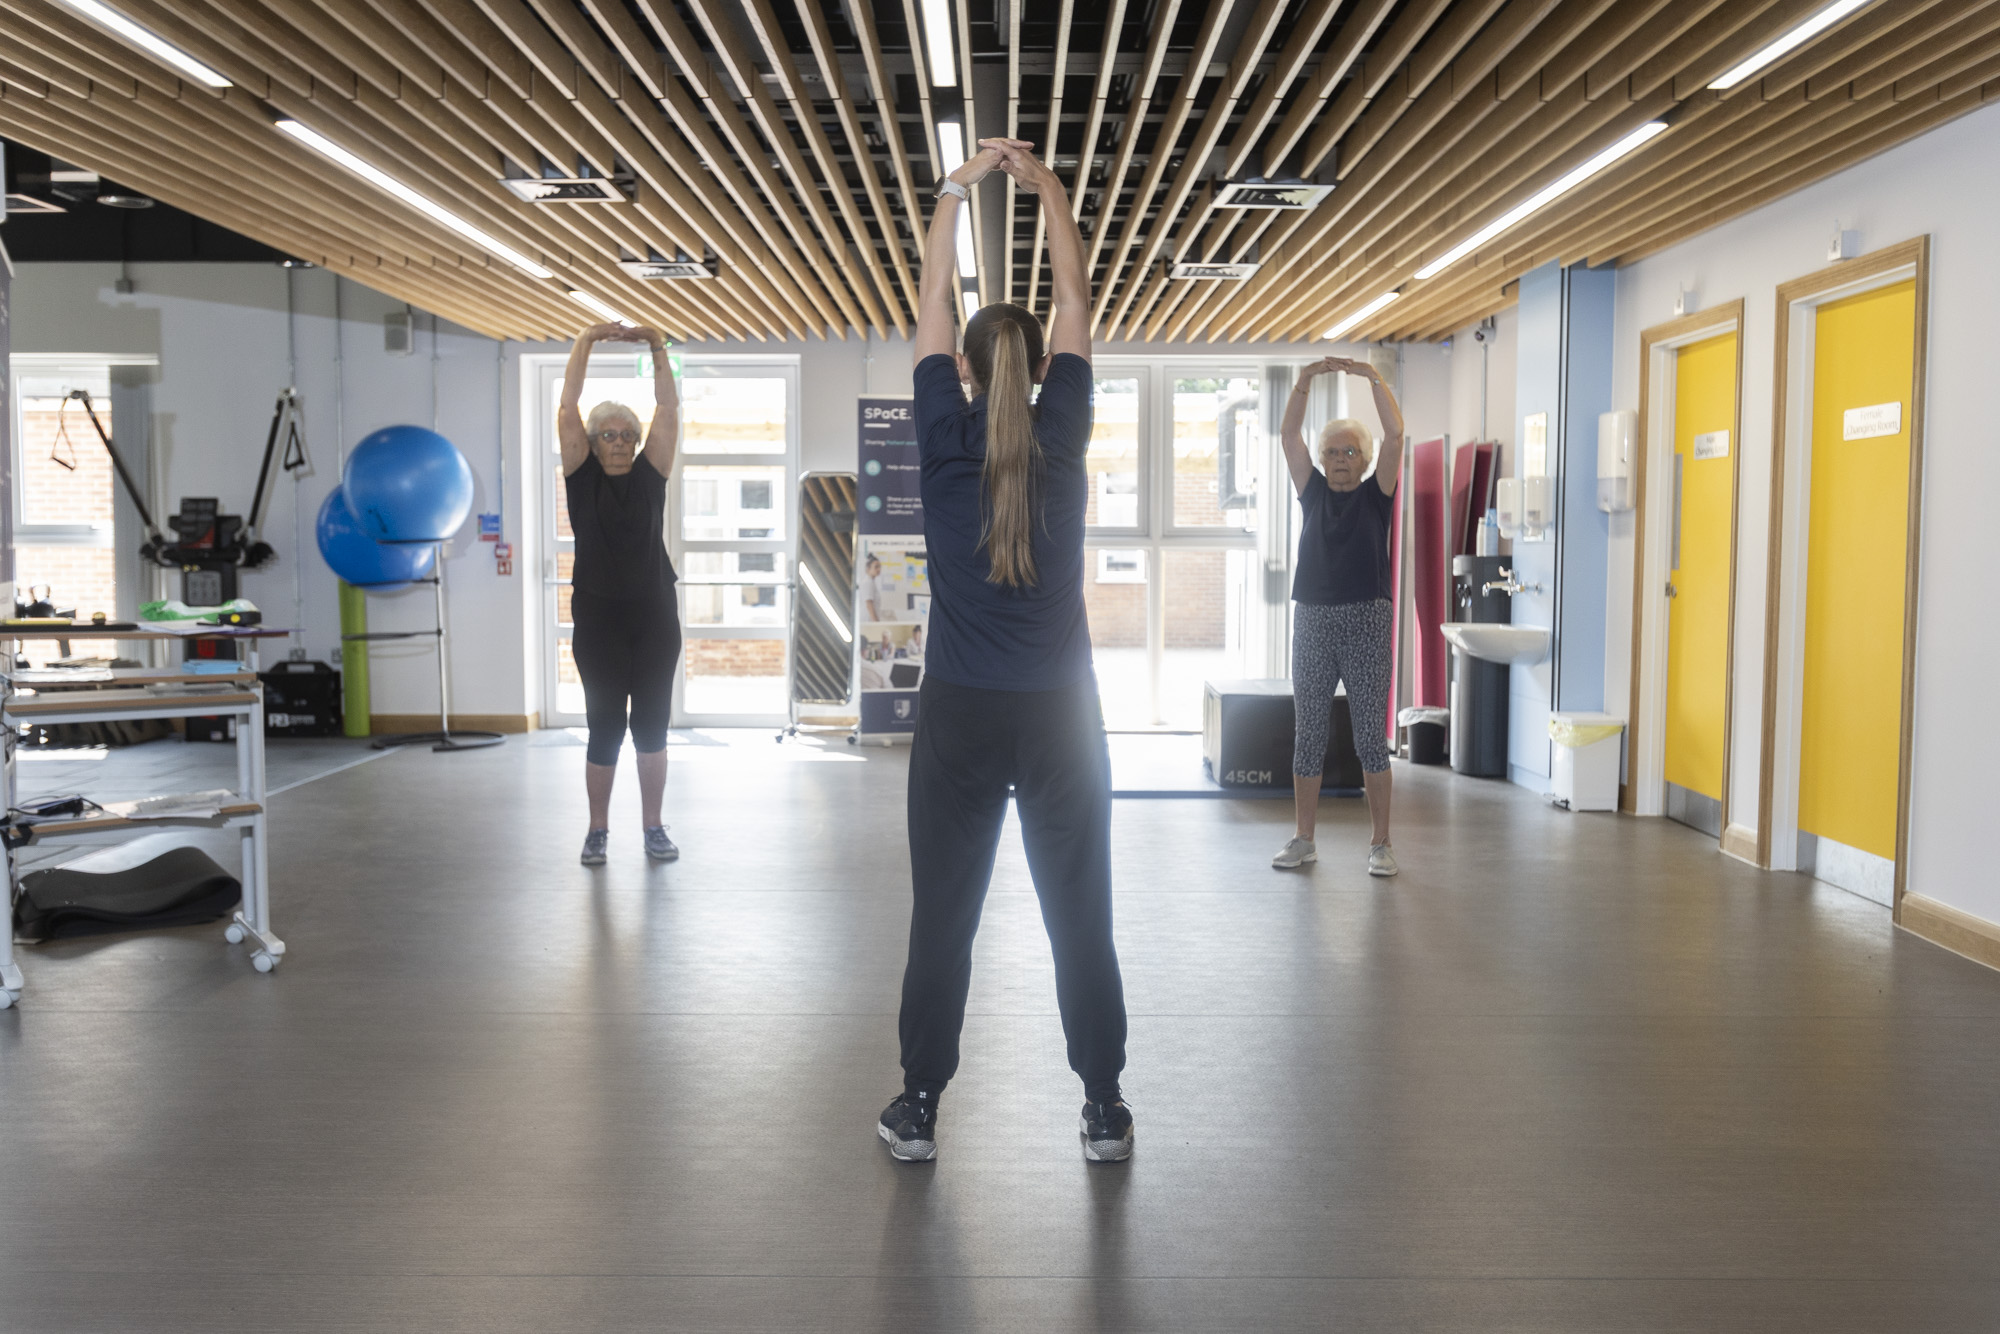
[948, 186]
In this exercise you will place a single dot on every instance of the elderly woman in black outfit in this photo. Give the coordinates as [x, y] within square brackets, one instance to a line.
[1343, 620]
[627, 618]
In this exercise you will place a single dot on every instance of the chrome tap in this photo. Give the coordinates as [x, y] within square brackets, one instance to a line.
[1509, 584]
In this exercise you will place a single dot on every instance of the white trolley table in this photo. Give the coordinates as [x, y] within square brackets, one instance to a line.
[133, 694]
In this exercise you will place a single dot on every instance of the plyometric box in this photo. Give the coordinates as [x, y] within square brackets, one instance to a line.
[1247, 728]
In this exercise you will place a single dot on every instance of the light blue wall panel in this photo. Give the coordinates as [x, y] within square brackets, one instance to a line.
[1583, 542]
[1537, 388]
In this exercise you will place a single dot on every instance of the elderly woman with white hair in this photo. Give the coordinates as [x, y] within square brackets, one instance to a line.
[627, 618]
[1343, 619]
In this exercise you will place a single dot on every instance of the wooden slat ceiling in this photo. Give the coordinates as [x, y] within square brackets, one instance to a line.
[794, 142]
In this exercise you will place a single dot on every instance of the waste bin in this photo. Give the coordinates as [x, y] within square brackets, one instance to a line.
[1429, 731]
[1583, 774]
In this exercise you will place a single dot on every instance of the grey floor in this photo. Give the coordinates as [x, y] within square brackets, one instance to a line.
[1569, 1072]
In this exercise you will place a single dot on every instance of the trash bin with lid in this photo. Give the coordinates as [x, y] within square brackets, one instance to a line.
[1428, 728]
[1583, 773]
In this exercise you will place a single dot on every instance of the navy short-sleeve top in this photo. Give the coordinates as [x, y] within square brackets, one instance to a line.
[1344, 545]
[983, 634]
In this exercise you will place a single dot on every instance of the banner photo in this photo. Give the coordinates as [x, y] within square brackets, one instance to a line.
[892, 581]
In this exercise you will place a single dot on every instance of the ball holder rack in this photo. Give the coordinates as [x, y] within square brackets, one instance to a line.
[444, 738]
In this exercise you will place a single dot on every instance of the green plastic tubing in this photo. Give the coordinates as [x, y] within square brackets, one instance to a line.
[353, 660]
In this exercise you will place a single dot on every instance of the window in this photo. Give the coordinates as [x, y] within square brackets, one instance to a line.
[64, 492]
[756, 496]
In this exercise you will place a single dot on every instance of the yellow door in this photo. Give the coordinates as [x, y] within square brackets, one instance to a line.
[1703, 500]
[1857, 533]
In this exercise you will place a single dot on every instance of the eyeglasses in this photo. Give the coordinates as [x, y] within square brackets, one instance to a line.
[1349, 453]
[619, 437]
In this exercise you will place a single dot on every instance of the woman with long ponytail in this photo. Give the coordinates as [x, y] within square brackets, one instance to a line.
[1009, 701]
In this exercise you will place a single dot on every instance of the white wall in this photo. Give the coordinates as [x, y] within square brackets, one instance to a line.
[223, 339]
[1466, 356]
[1947, 184]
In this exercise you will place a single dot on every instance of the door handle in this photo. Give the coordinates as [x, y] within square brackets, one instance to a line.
[1673, 592]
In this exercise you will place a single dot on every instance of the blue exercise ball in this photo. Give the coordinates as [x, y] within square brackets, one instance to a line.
[407, 484]
[359, 558]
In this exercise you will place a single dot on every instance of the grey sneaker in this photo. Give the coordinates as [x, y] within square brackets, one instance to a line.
[1381, 860]
[593, 847]
[1295, 853]
[658, 846]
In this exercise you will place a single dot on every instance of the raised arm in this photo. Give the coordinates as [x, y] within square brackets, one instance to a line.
[663, 437]
[1298, 455]
[937, 283]
[1389, 455]
[1069, 275]
[570, 435]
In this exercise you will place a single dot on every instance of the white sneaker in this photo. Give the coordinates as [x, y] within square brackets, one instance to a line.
[1295, 853]
[1381, 860]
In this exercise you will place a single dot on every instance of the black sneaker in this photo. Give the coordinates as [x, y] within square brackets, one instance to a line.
[909, 1127]
[1106, 1132]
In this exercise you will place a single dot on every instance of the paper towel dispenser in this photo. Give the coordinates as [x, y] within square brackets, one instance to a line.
[1617, 439]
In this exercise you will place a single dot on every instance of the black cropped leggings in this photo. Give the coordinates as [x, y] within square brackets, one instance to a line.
[625, 653]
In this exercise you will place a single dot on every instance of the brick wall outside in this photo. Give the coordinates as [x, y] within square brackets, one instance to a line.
[85, 578]
[1117, 611]
[735, 657]
[1197, 599]
[51, 493]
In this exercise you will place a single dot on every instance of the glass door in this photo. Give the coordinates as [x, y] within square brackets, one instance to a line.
[1174, 580]
[729, 531]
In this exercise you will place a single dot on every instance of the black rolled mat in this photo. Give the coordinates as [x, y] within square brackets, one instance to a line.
[180, 887]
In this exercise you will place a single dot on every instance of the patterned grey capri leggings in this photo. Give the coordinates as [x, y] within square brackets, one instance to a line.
[1333, 644]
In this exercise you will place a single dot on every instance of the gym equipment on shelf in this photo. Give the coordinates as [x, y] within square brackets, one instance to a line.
[360, 559]
[407, 484]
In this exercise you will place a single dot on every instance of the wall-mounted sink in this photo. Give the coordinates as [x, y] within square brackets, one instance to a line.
[1515, 645]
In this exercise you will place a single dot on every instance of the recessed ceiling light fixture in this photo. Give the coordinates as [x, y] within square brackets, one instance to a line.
[375, 176]
[597, 307]
[1360, 315]
[1798, 36]
[937, 43]
[951, 156]
[149, 41]
[1542, 199]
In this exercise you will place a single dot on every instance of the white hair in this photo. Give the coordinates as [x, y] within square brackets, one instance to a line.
[1363, 437]
[607, 410]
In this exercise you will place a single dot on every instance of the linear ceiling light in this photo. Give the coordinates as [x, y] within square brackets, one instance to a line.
[951, 156]
[1360, 315]
[597, 307]
[937, 43]
[1542, 199]
[1798, 36]
[971, 300]
[319, 143]
[140, 37]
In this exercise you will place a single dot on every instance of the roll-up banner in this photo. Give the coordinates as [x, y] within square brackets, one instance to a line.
[892, 583]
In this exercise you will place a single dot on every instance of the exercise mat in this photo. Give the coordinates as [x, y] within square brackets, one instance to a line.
[180, 887]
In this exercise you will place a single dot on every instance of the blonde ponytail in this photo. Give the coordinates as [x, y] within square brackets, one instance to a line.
[1013, 455]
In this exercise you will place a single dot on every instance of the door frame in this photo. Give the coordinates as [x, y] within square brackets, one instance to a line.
[786, 366]
[1798, 304]
[1645, 788]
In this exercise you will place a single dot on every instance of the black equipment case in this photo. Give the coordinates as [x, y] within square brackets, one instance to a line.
[301, 699]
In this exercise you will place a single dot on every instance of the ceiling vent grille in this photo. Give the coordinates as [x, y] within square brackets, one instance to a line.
[666, 269]
[1234, 273]
[1266, 194]
[567, 189]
